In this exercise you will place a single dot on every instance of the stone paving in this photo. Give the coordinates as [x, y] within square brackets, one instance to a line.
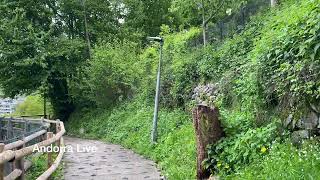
[109, 162]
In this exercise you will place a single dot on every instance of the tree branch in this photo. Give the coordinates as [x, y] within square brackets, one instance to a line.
[212, 14]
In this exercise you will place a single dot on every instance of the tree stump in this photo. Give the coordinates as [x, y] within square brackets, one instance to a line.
[208, 131]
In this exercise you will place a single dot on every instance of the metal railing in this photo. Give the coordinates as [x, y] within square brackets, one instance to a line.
[19, 140]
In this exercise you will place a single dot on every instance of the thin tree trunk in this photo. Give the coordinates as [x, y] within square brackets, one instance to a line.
[86, 28]
[204, 35]
[45, 105]
[221, 30]
[204, 25]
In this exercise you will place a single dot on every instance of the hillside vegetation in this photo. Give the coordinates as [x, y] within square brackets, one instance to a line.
[264, 74]
[257, 61]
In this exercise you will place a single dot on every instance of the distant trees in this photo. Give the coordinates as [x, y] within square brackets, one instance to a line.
[32, 106]
[91, 20]
[142, 18]
[45, 43]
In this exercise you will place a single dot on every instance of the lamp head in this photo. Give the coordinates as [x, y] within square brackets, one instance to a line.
[157, 39]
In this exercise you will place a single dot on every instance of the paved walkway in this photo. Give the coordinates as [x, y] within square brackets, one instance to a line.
[107, 163]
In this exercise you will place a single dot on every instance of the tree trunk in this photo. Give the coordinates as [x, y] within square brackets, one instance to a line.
[86, 29]
[208, 131]
[45, 105]
[59, 96]
[221, 30]
[204, 24]
[204, 34]
[274, 3]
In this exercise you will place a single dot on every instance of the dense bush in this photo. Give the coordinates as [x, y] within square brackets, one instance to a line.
[272, 62]
[113, 73]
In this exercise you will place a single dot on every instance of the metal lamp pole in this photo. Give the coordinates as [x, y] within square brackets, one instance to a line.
[156, 100]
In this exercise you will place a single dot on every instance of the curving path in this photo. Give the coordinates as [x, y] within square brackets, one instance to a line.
[107, 163]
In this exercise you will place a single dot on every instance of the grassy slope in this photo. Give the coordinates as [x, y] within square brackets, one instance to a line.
[130, 125]
[284, 162]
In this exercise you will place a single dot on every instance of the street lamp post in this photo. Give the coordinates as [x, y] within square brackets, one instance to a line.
[156, 100]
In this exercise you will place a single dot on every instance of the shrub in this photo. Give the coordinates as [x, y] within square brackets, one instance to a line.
[284, 162]
[113, 73]
[40, 165]
[235, 121]
[231, 153]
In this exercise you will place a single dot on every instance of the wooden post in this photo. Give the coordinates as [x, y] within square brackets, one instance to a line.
[11, 128]
[1, 165]
[19, 163]
[49, 135]
[58, 129]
